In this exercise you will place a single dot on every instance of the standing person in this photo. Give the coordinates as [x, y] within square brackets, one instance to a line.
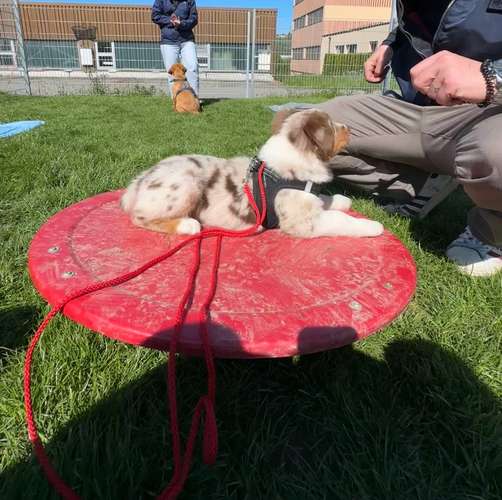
[176, 20]
[444, 129]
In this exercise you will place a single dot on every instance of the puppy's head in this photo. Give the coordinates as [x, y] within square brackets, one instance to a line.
[178, 71]
[312, 131]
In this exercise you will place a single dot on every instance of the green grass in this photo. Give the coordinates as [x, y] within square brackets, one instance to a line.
[411, 413]
[344, 83]
[338, 84]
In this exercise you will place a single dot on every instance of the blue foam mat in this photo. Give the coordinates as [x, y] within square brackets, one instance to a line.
[13, 128]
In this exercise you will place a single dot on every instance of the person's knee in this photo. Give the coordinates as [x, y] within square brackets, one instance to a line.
[481, 161]
[491, 152]
[479, 169]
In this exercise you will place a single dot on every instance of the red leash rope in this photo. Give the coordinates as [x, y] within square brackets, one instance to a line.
[205, 406]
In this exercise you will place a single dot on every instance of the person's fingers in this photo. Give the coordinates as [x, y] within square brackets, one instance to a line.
[443, 98]
[423, 73]
[380, 67]
[369, 70]
[427, 63]
[422, 81]
[437, 91]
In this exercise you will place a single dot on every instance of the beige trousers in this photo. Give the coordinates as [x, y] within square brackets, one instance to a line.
[395, 145]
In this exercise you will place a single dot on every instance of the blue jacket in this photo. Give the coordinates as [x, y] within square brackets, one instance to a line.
[471, 28]
[186, 10]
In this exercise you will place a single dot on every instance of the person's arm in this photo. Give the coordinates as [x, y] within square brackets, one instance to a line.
[159, 16]
[391, 38]
[192, 19]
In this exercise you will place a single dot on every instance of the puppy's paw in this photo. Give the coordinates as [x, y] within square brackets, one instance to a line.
[340, 202]
[374, 228]
[188, 226]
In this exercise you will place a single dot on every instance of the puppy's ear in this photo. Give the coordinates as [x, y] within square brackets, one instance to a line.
[316, 134]
[279, 118]
[170, 72]
[342, 137]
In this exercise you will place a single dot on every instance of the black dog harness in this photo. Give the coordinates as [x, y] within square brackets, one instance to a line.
[185, 88]
[273, 184]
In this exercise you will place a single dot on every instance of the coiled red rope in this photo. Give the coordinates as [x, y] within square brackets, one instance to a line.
[205, 405]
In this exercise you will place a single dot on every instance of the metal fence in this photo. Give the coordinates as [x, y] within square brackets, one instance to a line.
[58, 49]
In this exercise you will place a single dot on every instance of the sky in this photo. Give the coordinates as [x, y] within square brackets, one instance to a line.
[284, 7]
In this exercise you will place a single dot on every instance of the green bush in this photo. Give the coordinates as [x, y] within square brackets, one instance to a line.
[281, 68]
[281, 47]
[334, 64]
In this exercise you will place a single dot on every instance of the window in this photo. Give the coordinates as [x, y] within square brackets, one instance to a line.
[340, 49]
[298, 54]
[105, 54]
[6, 60]
[313, 53]
[299, 23]
[105, 47]
[315, 16]
[352, 48]
[373, 45]
[7, 53]
[298, 1]
[5, 45]
[264, 59]
[203, 51]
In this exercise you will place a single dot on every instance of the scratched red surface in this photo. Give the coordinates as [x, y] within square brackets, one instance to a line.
[277, 295]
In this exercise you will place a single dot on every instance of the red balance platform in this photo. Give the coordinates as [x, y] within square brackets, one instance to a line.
[276, 296]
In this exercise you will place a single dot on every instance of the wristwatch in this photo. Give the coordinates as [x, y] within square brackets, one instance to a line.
[492, 74]
[497, 66]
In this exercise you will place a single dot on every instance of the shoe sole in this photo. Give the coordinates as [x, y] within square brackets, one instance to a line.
[421, 206]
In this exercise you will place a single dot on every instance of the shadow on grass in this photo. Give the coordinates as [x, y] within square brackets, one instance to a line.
[341, 424]
[211, 100]
[16, 326]
[436, 231]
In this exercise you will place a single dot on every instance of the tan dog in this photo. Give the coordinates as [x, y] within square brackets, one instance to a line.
[184, 98]
[182, 192]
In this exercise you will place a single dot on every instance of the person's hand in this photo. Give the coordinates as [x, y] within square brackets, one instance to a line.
[449, 79]
[377, 65]
[175, 20]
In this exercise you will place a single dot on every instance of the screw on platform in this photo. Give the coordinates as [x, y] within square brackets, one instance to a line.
[388, 286]
[355, 306]
[53, 250]
[68, 274]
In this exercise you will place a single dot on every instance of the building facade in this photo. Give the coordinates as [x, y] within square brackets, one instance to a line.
[314, 21]
[116, 37]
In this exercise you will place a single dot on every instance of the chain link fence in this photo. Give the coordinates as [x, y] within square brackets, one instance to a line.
[59, 49]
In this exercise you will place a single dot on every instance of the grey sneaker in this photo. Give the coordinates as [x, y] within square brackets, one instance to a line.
[474, 257]
[434, 191]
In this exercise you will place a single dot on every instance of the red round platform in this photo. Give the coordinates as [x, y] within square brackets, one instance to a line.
[276, 296]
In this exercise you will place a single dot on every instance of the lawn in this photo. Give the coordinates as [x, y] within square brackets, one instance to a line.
[411, 413]
[338, 84]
